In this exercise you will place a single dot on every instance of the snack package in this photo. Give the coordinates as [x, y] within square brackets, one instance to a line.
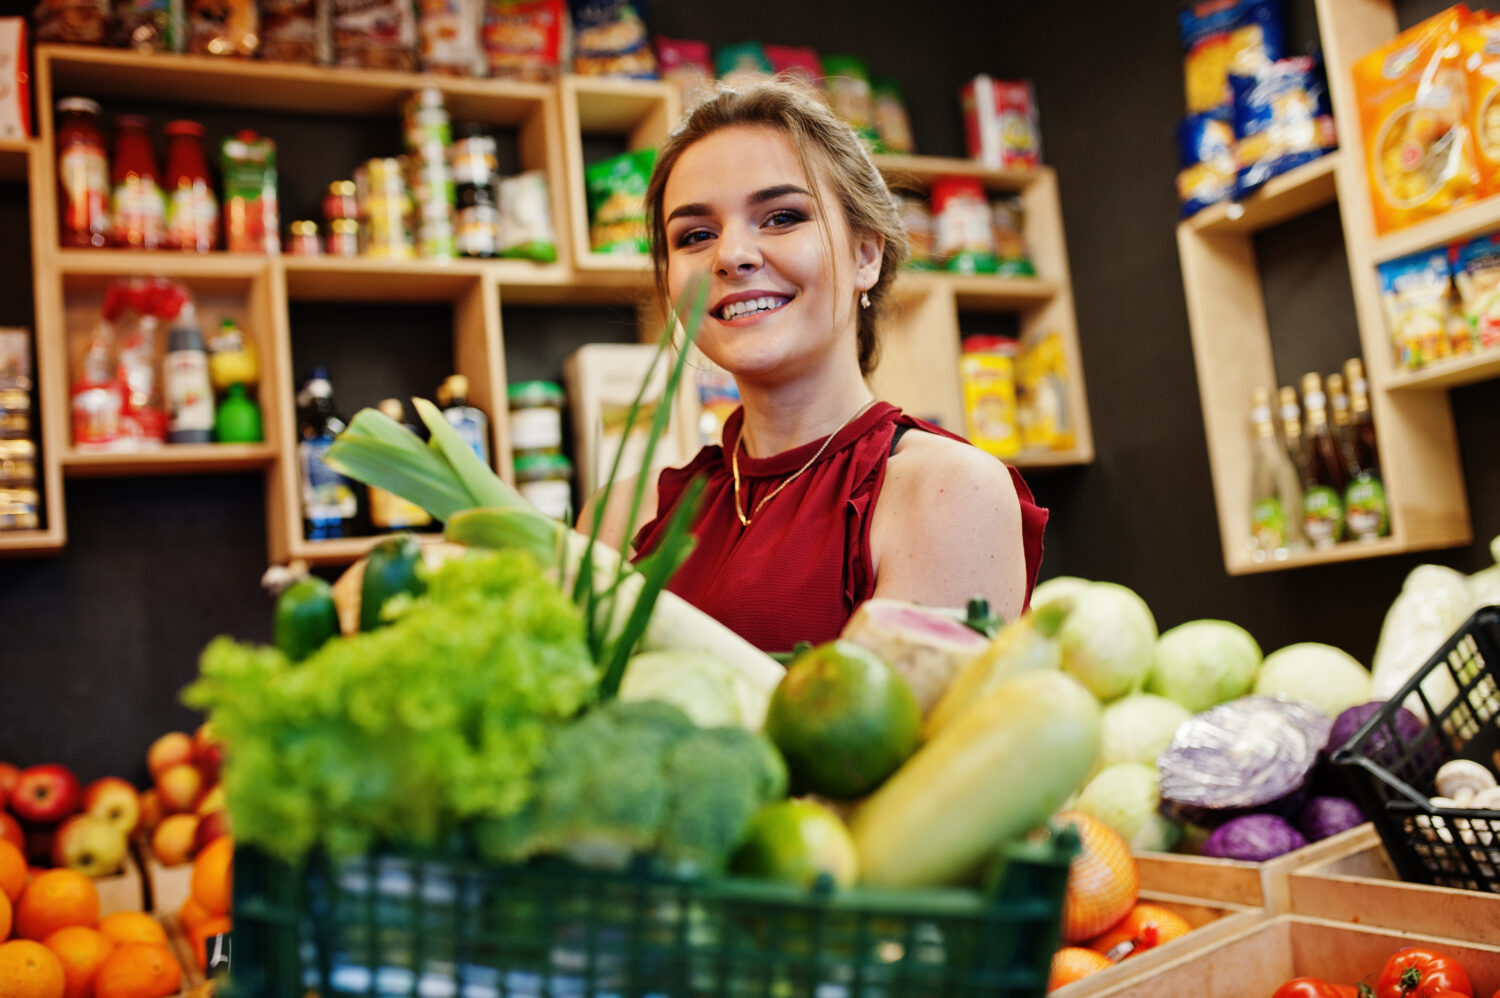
[1476, 274]
[742, 64]
[76, 22]
[1000, 123]
[609, 39]
[448, 37]
[252, 221]
[289, 32]
[1480, 44]
[987, 373]
[964, 240]
[1281, 121]
[522, 39]
[223, 27]
[1415, 294]
[1412, 99]
[525, 211]
[374, 34]
[616, 190]
[916, 218]
[1012, 255]
[687, 66]
[143, 25]
[1205, 149]
[1042, 395]
[892, 123]
[848, 84]
[15, 91]
[1224, 37]
[791, 62]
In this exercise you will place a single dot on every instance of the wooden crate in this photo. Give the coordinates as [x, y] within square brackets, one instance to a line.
[125, 891]
[1254, 885]
[182, 949]
[168, 886]
[1258, 960]
[1360, 884]
[1212, 922]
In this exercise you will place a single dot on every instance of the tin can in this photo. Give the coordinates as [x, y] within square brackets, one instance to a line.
[343, 237]
[304, 239]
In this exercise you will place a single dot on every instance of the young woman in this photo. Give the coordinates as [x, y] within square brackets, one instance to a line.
[819, 498]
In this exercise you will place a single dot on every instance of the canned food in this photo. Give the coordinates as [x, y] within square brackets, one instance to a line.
[304, 240]
[20, 509]
[340, 201]
[343, 237]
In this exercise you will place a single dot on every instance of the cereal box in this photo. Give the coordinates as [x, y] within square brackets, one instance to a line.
[1000, 123]
[1413, 111]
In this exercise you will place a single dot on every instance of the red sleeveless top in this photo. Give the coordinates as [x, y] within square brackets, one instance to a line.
[803, 565]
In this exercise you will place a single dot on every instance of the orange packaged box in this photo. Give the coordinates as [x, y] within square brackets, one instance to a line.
[1479, 43]
[1413, 102]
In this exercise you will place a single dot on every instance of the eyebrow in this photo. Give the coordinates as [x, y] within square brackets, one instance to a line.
[759, 197]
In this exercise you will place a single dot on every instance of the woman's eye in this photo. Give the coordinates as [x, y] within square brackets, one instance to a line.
[784, 216]
[692, 237]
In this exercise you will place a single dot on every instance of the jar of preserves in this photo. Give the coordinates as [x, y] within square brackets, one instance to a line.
[82, 174]
[192, 210]
[546, 481]
[535, 418]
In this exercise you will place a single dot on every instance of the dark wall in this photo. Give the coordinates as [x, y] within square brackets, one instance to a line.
[95, 643]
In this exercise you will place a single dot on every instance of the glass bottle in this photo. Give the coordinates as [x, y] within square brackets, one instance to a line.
[1325, 477]
[471, 423]
[192, 209]
[1291, 429]
[388, 511]
[1365, 506]
[82, 174]
[1338, 415]
[329, 503]
[1276, 490]
[138, 213]
[190, 396]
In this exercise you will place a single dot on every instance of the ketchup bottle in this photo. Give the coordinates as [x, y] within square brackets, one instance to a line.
[138, 212]
[192, 210]
[82, 174]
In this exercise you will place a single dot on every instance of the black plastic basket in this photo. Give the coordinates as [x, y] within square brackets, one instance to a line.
[1392, 773]
[399, 925]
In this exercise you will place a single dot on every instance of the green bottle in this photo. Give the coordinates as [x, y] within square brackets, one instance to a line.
[237, 420]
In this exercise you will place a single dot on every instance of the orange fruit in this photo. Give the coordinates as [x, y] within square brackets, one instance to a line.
[1074, 962]
[213, 876]
[30, 970]
[138, 970]
[7, 916]
[133, 927]
[191, 914]
[13, 872]
[81, 950]
[1102, 880]
[212, 926]
[56, 898]
[1145, 926]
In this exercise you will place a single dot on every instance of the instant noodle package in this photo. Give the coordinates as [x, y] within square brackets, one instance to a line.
[1413, 109]
[1224, 37]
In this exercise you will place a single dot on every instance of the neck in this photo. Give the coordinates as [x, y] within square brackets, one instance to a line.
[779, 421]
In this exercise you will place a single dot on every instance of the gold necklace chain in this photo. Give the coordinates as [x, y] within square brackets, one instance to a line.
[734, 467]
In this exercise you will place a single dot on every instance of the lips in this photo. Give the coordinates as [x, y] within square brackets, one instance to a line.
[748, 304]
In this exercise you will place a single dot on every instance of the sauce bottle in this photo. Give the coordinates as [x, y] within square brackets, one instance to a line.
[138, 213]
[82, 174]
[192, 210]
[190, 396]
[1325, 476]
[471, 423]
[329, 503]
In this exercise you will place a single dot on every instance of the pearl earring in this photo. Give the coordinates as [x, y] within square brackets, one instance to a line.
[864, 299]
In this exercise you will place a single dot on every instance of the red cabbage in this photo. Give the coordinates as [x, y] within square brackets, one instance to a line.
[1325, 816]
[1254, 837]
[1381, 747]
[1251, 754]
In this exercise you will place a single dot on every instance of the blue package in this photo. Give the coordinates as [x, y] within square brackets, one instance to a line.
[1204, 137]
[1220, 37]
[610, 39]
[1281, 120]
[1415, 294]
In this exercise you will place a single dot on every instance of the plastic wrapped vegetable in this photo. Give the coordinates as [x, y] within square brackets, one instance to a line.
[1254, 837]
[1251, 754]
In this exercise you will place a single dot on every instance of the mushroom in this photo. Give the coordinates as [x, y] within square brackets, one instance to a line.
[1488, 799]
[1462, 779]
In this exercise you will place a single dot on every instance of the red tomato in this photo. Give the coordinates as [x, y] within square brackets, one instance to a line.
[1307, 987]
[1415, 972]
[1346, 990]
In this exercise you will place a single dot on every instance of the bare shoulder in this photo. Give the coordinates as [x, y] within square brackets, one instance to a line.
[616, 512]
[947, 526]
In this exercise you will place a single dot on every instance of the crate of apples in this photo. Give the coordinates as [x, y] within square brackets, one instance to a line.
[183, 810]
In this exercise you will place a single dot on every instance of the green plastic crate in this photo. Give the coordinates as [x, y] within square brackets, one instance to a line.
[402, 925]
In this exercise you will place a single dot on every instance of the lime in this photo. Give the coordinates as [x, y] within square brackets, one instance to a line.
[843, 719]
[305, 617]
[796, 842]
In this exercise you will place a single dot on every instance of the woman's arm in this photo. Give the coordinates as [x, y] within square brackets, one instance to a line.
[947, 527]
[616, 512]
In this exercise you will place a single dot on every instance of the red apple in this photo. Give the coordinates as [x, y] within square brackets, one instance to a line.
[179, 787]
[172, 842]
[210, 826]
[10, 831]
[45, 794]
[115, 800]
[170, 749]
[89, 844]
[208, 752]
[9, 773]
[212, 800]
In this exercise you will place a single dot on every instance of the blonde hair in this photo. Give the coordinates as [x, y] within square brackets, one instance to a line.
[816, 135]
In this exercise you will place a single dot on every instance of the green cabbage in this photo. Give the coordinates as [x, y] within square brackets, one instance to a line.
[710, 692]
[1125, 797]
[1318, 674]
[1138, 728]
[1107, 639]
[1203, 663]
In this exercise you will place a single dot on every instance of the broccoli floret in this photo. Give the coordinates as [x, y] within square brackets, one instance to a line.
[640, 778]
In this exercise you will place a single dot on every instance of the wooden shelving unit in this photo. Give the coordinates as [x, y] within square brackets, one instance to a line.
[550, 121]
[1232, 344]
[15, 158]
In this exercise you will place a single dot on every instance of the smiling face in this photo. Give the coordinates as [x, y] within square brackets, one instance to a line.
[783, 278]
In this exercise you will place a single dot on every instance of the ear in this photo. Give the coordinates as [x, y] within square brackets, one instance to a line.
[869, 252]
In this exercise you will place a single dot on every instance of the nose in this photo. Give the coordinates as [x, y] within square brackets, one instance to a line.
[737, 252]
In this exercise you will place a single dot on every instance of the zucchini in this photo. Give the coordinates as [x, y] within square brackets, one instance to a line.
[995, 772]
[392, 568]
[304, 618]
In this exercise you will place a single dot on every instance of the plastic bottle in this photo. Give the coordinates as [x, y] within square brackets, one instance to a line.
[238, 420]
[97, 395]
[190, 396]
[329, 503]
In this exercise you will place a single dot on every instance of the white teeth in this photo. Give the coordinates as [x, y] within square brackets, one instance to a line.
[763, 304]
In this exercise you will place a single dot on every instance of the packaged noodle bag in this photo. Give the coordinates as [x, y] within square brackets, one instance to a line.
[1412, 109]
[1042, 396]
[1476, 274]
[1220, 37]
[1480, 45]
[1416, 296]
